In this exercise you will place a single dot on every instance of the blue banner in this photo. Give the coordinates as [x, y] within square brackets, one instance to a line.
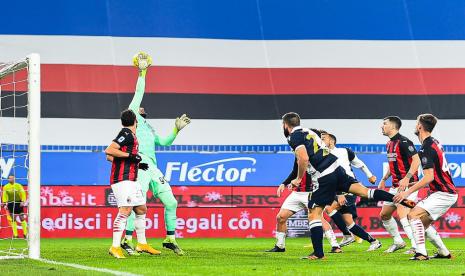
[191, 169]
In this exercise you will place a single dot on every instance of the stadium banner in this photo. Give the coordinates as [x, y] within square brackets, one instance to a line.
[93, 222]
[204, 197]
[192, 169]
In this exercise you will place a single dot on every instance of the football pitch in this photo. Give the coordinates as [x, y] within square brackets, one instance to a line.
[231, 257]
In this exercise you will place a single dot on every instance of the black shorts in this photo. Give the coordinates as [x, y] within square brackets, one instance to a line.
[15, 208]
[328, 186]
[350, 207]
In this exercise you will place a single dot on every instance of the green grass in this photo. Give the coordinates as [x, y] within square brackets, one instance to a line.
[234, 257]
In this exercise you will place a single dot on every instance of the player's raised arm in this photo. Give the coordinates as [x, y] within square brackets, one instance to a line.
[142, 61]
[180, 123]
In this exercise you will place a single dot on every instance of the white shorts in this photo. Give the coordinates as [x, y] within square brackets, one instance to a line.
[392, 190]
[437, 203]
[128, 193]
[296, 201]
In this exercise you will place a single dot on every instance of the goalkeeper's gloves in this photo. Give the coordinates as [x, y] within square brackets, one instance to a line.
[143, 166]
[142, 61]
[134, 158]
[182, 122]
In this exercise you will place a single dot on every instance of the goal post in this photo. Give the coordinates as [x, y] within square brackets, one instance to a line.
[33, 61]
[20, 156]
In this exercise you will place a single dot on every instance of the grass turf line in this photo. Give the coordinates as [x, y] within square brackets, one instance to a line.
[235, 256]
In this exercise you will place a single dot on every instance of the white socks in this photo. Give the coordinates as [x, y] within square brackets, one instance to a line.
[419, 235]
[139, 224]
[433, 236]
[281, 239]
[331, 238]
[119, 226]
[408, 231]
[391, 227]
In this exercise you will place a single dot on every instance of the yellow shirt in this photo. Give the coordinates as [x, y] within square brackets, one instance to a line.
[13, 193]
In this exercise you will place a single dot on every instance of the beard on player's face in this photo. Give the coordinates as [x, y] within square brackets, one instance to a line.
[286, 131]
[417, 130]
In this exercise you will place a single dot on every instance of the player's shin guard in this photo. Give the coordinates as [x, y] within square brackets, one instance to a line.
[281, 239]
[118, 228]
[139, 224]
[360, 232]
[433, 236]
[24, 226]
[316, 233]
[408, 231]
[130, 225]
[331, 238]
[381, 195]
[339, 221]
[419, 235]
[170, 204]
[393, 230]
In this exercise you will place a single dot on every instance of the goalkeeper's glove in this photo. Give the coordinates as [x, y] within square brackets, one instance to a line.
[143, 166]
[182, 122]
[142, 61]
[134, 158]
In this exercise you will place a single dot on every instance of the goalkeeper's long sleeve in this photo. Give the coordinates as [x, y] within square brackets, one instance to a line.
[167, 140]
[139, 94]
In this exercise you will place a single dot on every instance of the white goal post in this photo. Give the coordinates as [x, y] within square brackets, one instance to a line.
[10, 88]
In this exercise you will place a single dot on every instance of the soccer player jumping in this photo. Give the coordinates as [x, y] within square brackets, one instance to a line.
[443, 192]
[309, 149]
[153, 178]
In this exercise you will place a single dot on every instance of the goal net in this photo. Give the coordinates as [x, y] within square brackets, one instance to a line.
[20, 158]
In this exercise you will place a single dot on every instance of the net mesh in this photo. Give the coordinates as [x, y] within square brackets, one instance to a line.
[13, 159]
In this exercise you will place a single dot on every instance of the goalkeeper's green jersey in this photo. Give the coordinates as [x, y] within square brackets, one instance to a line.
[145, 133]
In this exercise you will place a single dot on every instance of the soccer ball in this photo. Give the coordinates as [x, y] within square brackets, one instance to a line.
[142, 60]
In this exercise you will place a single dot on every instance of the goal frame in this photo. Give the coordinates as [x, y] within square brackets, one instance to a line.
[32, 64]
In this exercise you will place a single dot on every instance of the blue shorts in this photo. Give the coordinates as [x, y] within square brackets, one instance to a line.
[350, 207]
[329, 185]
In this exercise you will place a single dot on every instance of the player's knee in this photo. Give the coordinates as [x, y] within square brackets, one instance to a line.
[385, 216]
[171, 204]
[140, 210]
[280, 218]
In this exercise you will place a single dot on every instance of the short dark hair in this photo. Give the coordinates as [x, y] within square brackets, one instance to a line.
[128, 118]
[316, 131]
[428, 121]
[292, 119]
[396, 120]
[333, 137]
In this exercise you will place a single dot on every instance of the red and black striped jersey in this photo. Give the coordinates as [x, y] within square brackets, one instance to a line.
[432, 157]
[305, 185]
[122, 168]
[399, 154]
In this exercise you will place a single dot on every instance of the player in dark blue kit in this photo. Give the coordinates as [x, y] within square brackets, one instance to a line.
[309, 149]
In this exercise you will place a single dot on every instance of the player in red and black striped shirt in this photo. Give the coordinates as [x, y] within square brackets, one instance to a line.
[443, 192]
[123, 152]
[403, 165]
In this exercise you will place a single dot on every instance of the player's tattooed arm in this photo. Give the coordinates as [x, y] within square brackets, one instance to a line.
[302, 163]
[404, 182]
[428, 176]
[382, 183]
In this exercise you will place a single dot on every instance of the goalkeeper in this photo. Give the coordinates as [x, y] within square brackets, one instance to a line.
[14, 200]
[152, 178]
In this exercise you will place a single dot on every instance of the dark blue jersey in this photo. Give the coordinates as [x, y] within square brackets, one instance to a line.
[319, 156]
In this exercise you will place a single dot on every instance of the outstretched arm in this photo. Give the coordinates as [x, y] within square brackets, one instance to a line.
[179, 124]
[142, 61]
[139, 94]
